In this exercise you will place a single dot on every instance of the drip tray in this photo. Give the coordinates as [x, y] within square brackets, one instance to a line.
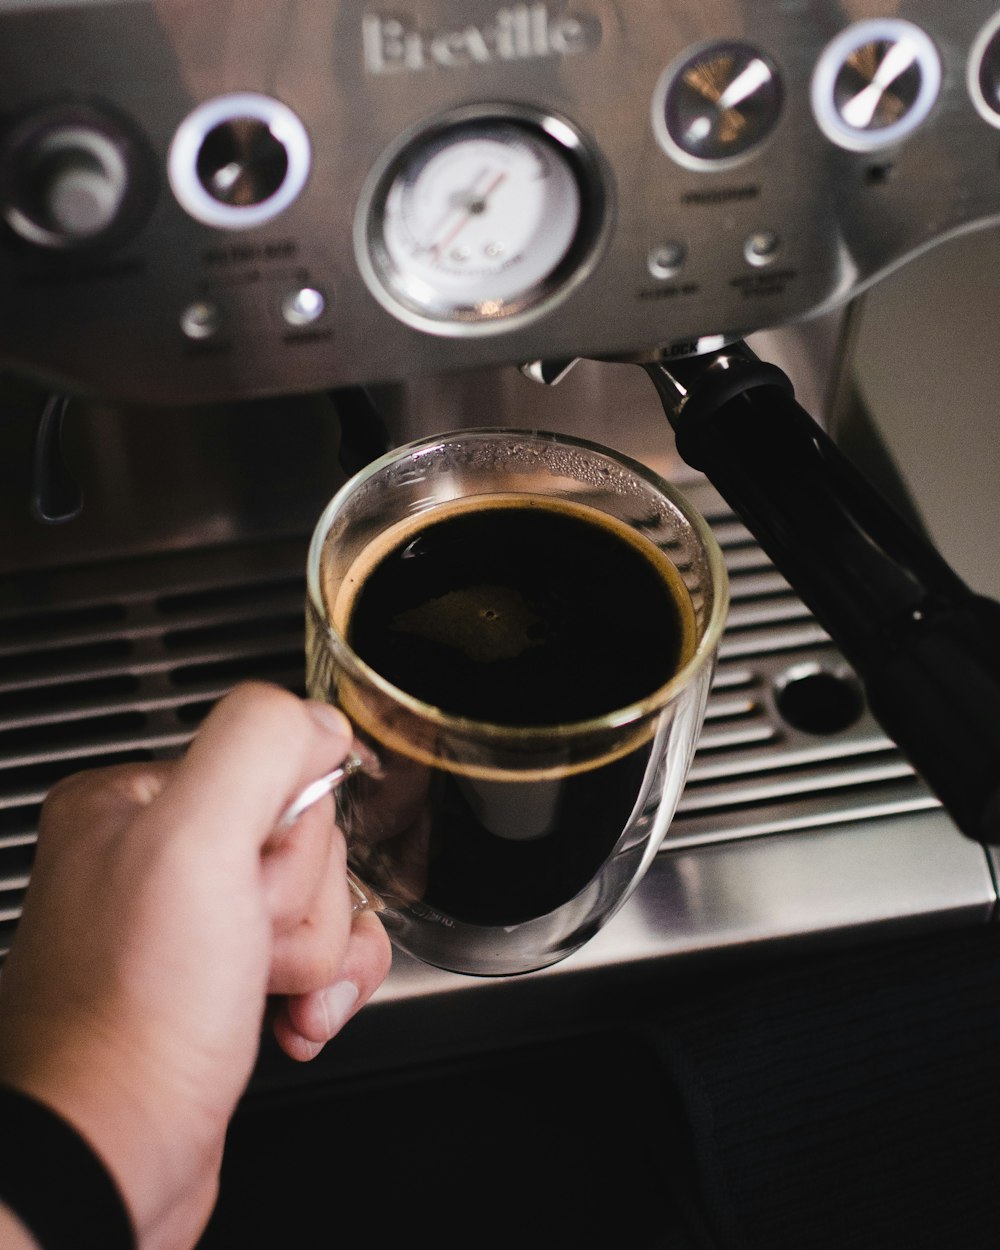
[800, 820]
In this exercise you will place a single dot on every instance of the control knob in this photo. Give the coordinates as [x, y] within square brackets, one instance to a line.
[984, 72]
[875, 83]
[714, 107]
[68, 179]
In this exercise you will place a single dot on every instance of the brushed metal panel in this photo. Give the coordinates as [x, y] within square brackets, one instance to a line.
[108, 321]
[909, 872]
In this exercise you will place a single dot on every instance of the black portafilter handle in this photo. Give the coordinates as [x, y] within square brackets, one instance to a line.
[926, 648]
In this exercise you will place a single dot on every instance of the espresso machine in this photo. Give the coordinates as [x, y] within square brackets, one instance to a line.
[247, 246]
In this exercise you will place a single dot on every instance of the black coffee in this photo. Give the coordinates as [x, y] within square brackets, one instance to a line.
[522, 615]
[519, 612]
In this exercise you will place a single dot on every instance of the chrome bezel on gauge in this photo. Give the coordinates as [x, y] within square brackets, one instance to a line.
[836, 54]
[984, 40]
[182, 159]
[414, 302]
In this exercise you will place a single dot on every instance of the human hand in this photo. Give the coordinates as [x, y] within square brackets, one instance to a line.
[162, 912]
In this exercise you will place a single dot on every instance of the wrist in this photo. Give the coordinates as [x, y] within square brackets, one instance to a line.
[14, 1235]
[166, 1187]
[55, 1190]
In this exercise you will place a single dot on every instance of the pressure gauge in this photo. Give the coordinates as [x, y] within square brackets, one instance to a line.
[479, 220]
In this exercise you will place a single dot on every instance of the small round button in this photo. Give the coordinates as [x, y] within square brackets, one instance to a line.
[201, 320]
[303, 307]
[666, 259]
[761, 247]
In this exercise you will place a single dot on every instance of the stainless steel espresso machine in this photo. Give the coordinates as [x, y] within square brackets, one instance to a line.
[246, 246]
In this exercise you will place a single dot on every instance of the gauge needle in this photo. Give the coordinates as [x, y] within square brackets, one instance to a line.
[749, 80]
[859, 111]
[474, 205]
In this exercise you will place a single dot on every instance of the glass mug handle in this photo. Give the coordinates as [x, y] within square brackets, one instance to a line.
[362, 898]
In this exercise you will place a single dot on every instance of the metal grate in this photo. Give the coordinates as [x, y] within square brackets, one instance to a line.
[755, 773]
[120, 662]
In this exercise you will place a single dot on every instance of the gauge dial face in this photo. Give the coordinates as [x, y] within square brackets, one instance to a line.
[721, 104]
[476, 221]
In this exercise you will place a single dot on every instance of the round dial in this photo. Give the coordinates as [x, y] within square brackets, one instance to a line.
[477, 221]
[875, 83]
[984, 72]
[717, 105]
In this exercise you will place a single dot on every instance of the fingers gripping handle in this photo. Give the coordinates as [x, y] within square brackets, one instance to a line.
[362, 898]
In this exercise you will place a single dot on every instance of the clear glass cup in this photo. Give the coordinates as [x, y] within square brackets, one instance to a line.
[495, 848]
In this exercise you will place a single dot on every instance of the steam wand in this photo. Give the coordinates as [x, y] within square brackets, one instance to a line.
[926, 648]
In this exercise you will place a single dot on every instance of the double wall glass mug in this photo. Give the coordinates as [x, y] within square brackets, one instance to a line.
[522, 628]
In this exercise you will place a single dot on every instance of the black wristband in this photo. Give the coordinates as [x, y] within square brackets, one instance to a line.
[52, 1180]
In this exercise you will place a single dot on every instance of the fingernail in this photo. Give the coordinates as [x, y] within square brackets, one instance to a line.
[338, 1002]
[329, 718]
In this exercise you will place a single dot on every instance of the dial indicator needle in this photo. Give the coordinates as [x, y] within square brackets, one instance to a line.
[475, 205]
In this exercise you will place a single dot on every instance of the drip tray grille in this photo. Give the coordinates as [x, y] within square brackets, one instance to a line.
[121, 661]
[756, 771]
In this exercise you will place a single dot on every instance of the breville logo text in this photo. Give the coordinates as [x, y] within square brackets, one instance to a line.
[519, 33]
